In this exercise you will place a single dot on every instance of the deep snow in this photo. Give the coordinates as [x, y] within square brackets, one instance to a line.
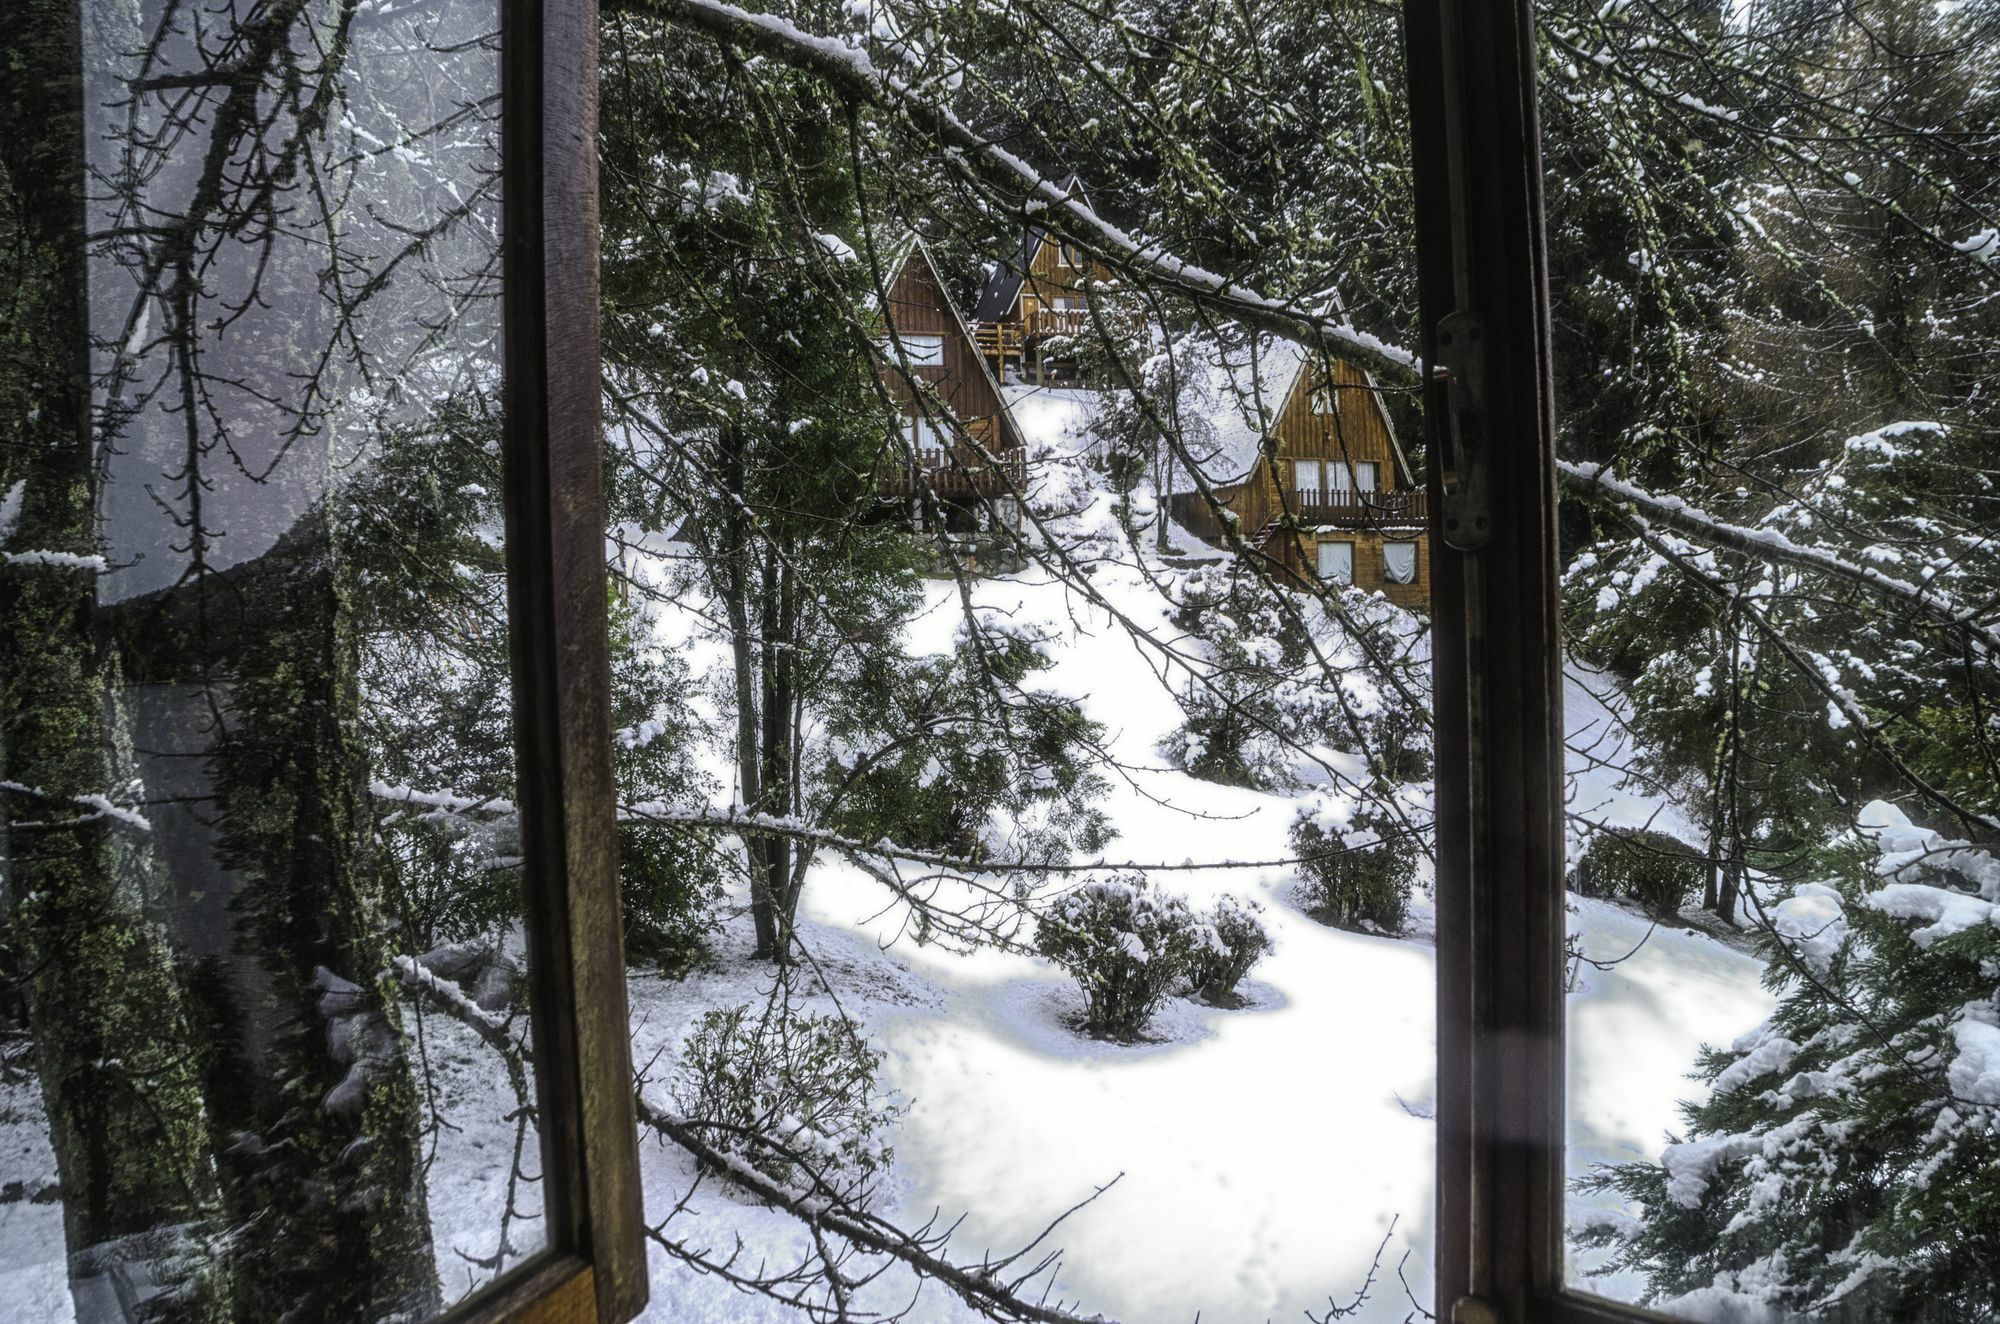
[1261, 1154]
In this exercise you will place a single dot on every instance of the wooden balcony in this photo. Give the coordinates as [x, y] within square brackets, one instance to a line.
[1356, 509]
[958, 472]
[998, 341]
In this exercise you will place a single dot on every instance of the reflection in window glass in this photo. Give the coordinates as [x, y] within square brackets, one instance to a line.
[1053, 817]
[1780, 689]
[263, 915]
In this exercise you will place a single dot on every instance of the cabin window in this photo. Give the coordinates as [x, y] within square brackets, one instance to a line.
[1069, 255]
[927, 434]
[1305, 477]
[1399, 562]
[1364, 475]
[1325, 400]
[923, 351]
[1336, 562]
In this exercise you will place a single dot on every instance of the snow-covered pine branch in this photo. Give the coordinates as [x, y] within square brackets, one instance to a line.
[1597, 482]
[849, 69]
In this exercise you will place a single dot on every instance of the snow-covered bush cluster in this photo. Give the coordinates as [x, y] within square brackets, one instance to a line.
[1129, 948]
[1658, 871]
[793, 1093]
[1356, 865]
[1233, 939]
[1287, 679]
[1847, 1164]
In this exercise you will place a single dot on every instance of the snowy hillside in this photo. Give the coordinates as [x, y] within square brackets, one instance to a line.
[1260, 1155]
[1255, 1159]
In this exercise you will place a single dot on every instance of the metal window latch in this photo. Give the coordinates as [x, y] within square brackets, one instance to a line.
[1461, 369]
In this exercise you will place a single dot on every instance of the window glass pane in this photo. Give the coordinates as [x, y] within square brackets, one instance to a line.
[1339, 476]
[262, 913]
[924, 351]
[1399, 562]
[1779, 585]
[1364, 473]
[1012, 759]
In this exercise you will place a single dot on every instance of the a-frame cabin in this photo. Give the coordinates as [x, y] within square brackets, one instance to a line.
[931, 366]
[1331, 496]
[1031, 312]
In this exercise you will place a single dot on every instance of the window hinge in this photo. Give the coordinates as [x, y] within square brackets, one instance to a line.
[1461, 367]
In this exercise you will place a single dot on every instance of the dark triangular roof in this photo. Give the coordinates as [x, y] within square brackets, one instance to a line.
[1003, 287]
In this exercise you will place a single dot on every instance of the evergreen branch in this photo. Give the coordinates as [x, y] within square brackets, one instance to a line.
[848, 69]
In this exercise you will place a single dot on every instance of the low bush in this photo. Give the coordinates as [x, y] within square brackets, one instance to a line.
[1658, 871]
[791, 1093]
[1358, 877]
[1232, 940]
[1126, 947]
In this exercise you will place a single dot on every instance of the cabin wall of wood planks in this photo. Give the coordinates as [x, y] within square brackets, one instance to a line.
[1274, 516]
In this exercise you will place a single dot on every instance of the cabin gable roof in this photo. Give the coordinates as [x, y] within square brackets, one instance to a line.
[1000, 298]
[918, 251]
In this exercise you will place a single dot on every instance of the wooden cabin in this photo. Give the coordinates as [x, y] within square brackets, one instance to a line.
[932, 367]
[1297, 446]
[1031, 311]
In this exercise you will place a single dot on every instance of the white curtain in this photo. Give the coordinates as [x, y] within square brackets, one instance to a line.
[1399, 562]
[1336, 562]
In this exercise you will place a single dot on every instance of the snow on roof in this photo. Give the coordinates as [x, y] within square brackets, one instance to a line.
[1230, 396]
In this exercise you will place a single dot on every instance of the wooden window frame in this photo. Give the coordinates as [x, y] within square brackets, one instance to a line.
[593, 1269]
[1353, 561]
[1299, 486]
[1496, 663]
[927, 340]
[1392, 544]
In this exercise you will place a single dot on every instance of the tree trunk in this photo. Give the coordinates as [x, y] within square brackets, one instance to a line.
[114, 1048]
[331, 1112]
[749, 763]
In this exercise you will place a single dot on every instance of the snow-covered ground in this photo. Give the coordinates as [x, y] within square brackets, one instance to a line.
[1260, 1156]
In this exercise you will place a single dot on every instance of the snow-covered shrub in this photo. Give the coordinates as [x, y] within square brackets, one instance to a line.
[1356, 866]
[1232, 940]
[1656, 870]
[1125, 946]
[1846, 1165]
[791, 1093]
[1257, 703]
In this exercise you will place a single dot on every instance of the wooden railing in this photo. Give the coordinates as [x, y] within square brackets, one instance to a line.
[959, 472]
[1058, 322]
[1361, 509]
[999, 341]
